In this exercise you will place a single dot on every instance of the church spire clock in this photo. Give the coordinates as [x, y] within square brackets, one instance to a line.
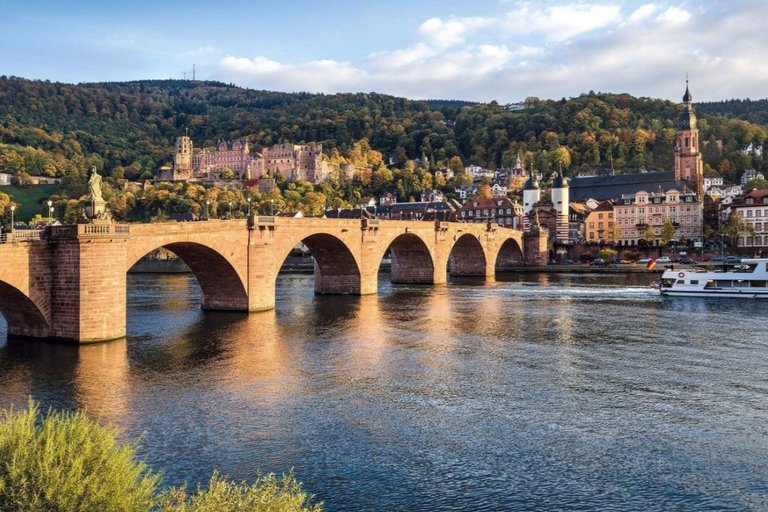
[688, 163]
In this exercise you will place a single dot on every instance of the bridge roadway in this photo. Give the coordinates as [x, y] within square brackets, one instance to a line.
[70, 284]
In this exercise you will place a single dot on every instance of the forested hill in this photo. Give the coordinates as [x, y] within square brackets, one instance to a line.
[62, 129]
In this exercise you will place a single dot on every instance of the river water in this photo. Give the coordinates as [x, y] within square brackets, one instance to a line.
[533, 392]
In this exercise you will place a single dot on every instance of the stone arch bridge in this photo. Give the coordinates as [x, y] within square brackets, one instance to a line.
[70, 283]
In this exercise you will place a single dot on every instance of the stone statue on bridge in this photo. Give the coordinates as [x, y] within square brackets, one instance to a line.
[96, 211]
[94, 185]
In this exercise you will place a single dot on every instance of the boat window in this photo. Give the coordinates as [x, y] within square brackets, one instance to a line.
[741, 283]
[680, 281]
[710, 284]
[694, 281]
[757, 284]
[723, 283]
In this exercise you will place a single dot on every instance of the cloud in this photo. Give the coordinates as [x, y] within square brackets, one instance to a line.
[563, 22]
[547, 50]
[643, 12]
[444, 34]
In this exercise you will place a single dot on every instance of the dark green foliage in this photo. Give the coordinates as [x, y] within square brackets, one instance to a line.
[62, 129]
[66, 462]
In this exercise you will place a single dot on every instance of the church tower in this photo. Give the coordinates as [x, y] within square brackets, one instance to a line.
[688, 164]
[182, 159]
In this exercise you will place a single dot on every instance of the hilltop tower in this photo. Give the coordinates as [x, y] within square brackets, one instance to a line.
[688, 163]
[560, 202]
[182, 159]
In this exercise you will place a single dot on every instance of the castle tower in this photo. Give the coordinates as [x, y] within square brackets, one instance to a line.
[531, 196]
[688, 163]
[560, 201]
[182, 159]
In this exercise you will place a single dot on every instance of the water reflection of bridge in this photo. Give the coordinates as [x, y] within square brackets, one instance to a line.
[70, 283]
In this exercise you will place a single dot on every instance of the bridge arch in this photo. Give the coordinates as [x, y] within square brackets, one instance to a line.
[510, 255]
[221, 287]
[24, 317]
[412, 261]
[336, 268]
[467, 257]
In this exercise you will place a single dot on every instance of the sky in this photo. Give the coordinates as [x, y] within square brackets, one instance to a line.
[478, 50]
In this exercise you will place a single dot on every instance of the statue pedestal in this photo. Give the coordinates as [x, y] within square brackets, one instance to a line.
[97, 211]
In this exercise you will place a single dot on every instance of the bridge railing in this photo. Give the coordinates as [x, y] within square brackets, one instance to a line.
[90, 231]
[21, 235]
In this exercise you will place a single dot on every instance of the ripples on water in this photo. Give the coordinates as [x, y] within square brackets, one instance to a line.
[541, 391]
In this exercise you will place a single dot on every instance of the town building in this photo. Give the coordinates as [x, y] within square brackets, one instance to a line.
[640, 217]
[500, 210]
[577, 218]
[752, 207]
[749, 175]
[600, 224]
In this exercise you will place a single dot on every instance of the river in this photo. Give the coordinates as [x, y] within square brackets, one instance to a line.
[532, 392]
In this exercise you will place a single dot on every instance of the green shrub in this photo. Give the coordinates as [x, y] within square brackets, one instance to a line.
[607, 254]
[67, 462]
[266, 494]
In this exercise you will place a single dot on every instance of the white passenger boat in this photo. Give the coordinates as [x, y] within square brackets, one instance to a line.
[749, 279]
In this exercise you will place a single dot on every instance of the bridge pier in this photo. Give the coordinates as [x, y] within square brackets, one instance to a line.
[88, 294]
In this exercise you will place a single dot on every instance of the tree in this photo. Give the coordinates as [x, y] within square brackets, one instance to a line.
[484, 192]
[607, 254]
[649, 236]
[668, 231]
[757, 183]
[736, 228]
[455, 164]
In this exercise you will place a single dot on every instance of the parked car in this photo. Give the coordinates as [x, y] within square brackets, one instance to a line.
[733, 260]
[644, 261]
[598, 261]
[663, 259]
[717, 259]
[686, 260]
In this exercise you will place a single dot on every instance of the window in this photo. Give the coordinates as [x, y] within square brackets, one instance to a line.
[591, 225]
[599, 215]
[749, 201]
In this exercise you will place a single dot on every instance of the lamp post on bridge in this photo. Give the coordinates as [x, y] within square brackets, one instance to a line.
[13, 209]
[207, 212]
[249, 206]
[50, 211]
[230, 209]
[272, 207]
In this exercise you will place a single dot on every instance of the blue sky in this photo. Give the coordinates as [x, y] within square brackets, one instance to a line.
[483, 50]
